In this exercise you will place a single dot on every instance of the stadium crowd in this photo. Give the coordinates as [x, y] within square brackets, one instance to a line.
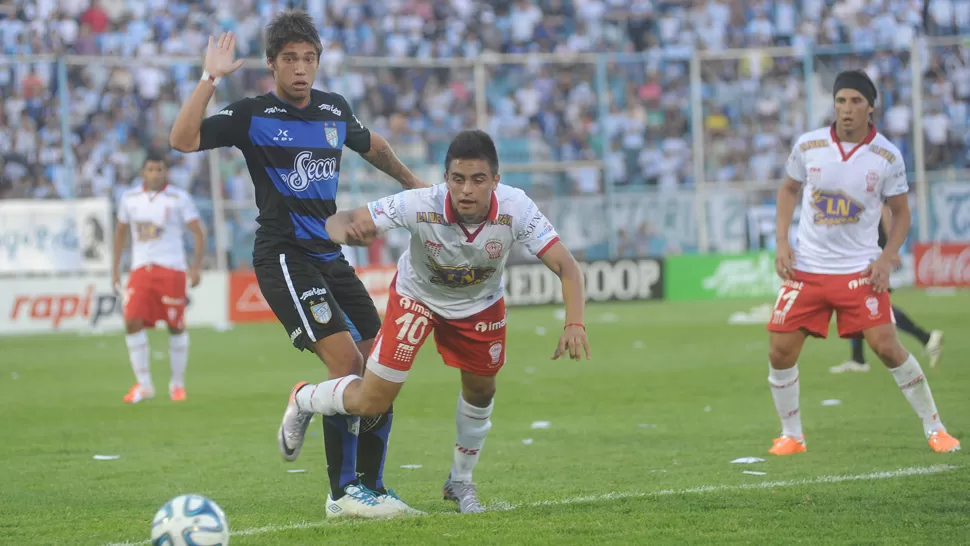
[754, 104]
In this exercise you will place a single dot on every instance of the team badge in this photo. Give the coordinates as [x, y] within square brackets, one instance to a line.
[495, 351]
[333, 137]
[321, 312]
[871, 180]
[494, 250]
[873, 305]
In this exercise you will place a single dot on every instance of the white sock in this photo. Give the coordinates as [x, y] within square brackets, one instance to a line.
[473, 425]
[784, 389]
[139, 355]
[178, 353]
[916, 389]
[326, 398]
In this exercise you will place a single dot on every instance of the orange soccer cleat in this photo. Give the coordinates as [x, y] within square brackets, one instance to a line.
[177, 394]
[941, 442]
[787, 445]
[139, 392]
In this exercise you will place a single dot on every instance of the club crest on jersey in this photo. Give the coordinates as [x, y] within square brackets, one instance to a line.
[871, 180]
[461, 276]
[332, 135]
[307, 170]
[321, 312]
[494, 249]
[835, 208]
[433, 248]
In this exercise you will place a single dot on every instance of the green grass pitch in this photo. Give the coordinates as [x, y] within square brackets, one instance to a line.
[638, 449]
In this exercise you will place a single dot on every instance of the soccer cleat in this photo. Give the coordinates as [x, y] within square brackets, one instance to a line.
[934, 347]
[465, 494]
[177, 394]
[392, 499]
[360, 502]
[941, 442]
[293, 428]
[850, 366]
[139, 392]
[787, 445]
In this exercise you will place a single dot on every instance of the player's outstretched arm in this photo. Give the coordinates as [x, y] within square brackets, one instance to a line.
[352, 227]
[383, 157]
[561, 262]
[186, 131]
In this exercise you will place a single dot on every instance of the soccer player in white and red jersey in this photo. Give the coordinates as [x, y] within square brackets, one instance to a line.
[846, 172]
[449, 281]
[156, 214]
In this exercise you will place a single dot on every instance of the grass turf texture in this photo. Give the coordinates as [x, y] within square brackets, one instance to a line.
[65, 406]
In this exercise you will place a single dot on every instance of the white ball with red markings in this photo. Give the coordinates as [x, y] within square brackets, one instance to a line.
[190, 520]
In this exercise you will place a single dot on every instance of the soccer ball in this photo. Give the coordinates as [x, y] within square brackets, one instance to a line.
[190, 520]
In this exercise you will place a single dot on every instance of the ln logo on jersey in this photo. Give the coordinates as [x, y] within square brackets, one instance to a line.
[835, 208]
[333, 137]
[147, 231]
[494, 250]
[321, 312]
[871, 180]
[306, 170]
[458, 276]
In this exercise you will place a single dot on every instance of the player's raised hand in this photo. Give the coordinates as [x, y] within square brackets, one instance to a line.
[574, 341]
[784, 261]
[220, 55]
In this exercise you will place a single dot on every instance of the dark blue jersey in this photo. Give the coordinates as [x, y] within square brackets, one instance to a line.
[293, 155]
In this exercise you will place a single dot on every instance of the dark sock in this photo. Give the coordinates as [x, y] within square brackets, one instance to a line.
[906, 324]
[372, 450]
[857, 350]
[340, 443]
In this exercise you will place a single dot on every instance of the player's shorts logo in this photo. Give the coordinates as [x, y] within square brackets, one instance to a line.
[307, 170]
[873, 305]
[494, 249]
[321, 312]
[495, 351]
[835, 208]
[871, 180]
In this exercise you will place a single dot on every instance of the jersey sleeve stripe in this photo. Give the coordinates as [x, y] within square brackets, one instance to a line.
[547, 247]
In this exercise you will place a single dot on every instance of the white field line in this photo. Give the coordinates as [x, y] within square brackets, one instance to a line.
[502, 506]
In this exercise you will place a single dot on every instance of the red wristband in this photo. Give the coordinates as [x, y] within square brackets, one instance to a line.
[568, 324]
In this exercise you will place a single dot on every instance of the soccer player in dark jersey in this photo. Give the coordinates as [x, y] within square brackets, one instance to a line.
[932, 341]
[292, 141]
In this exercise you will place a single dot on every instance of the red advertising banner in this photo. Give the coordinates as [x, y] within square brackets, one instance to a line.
[942, 264]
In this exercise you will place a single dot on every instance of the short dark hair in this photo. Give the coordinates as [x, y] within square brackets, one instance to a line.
[154, 154]
[473, 144]
[290, 27]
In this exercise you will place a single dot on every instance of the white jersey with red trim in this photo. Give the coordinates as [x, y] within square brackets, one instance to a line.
[455, 269]
[157, 221]
[845, 186]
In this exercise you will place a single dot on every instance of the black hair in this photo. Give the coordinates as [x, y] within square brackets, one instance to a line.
[858, 80]
[153, 154]
[473, 144]
[290, 27]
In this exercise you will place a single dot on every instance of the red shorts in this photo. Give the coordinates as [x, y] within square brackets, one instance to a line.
[475, 344]
[809, 300]
[156, 293]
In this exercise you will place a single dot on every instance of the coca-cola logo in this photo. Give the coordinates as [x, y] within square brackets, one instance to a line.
[944, 265]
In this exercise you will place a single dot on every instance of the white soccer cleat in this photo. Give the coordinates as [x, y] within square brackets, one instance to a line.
[360, 502]
[391, 498]
[849, 366]
[934, 347]
[465, 494]
[293, 428]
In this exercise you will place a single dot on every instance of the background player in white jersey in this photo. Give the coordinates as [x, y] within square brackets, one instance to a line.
[449, 281]
[156, 213]
[846, 171]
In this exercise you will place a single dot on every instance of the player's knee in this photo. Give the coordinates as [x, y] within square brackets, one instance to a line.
[341, 359]
[887, 348]
[373, 406]
[782, 356]
[133, 326]
[478, 391]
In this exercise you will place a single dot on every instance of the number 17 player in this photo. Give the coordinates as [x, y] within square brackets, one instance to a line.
[846, 171]
[449, 282]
